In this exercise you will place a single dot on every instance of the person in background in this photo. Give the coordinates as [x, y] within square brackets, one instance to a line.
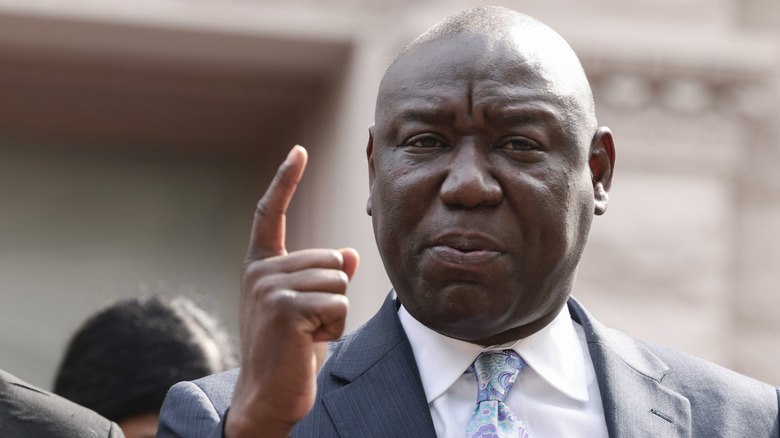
[27, 411]
[122, 360]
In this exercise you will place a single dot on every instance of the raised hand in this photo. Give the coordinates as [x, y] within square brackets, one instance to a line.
[291, 305]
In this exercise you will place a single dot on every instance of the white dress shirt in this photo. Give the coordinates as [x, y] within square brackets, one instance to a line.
[556, 395]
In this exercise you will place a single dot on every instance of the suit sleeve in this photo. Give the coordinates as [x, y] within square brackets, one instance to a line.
[115, 431]
[777, 419]
[187, 412]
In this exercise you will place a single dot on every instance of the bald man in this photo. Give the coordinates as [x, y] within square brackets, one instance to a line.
[486, 167]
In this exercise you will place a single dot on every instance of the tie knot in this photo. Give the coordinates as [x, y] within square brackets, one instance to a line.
[496, 372]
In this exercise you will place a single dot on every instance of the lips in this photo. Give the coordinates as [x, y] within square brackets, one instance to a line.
[465, 249]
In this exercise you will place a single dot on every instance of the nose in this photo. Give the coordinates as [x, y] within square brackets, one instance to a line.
[469, 181]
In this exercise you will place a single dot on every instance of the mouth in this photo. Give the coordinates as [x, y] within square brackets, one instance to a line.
[465, 249]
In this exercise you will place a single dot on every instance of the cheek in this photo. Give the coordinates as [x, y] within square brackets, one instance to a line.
[571, 217]
[581, 206]
[397, 208]
[542, 197]
[550, 208]
[404, 194]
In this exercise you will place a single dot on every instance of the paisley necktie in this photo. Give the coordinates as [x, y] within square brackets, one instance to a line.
[496, 372]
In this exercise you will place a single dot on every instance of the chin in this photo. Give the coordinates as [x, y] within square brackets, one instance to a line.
[466, 327]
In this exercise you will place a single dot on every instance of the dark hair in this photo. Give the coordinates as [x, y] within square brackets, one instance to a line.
[123, 360]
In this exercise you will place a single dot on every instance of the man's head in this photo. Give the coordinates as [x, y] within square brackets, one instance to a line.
[123, 359]
[486, 167]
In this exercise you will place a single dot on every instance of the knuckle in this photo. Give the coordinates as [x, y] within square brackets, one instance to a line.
[281, 300]
[342, 278]
[325, 280]
[259, 283]
[255, 269]
[334, 258]
[283, 169]
[263, 210]
[281, 306]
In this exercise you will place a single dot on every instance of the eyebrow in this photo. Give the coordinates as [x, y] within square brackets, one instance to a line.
[509, 120]
[524, 113]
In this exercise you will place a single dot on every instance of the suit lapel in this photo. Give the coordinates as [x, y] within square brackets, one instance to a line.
[636, 402]
[383, 395]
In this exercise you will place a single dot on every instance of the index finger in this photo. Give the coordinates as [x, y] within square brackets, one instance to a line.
[268, 227]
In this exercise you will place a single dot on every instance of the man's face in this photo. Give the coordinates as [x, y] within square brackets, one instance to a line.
[481, 194]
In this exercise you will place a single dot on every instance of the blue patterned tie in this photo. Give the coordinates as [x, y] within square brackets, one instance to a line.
[496, 372]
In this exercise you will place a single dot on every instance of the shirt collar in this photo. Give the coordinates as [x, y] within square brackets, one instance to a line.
[554, 353]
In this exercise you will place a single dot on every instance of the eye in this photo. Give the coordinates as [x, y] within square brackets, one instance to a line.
[517, 144]
[424, 143]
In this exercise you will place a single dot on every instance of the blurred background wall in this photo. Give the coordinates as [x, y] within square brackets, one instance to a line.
[136, 137]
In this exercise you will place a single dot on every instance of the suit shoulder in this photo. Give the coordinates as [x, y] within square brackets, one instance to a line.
[26, 410]
[711, 386]
[219, 387]
[682, 371]
[690, 370]
[197, 408]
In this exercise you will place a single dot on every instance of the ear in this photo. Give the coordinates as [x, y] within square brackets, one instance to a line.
[602, 165]
[371, 172]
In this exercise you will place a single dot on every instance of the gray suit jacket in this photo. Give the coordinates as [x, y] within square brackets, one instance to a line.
[370, 387]
[26, 411]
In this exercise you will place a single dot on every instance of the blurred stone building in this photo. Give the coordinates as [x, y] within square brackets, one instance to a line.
[136, 137]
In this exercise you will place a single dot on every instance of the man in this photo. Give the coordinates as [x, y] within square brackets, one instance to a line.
[26, 411]
[486, 167]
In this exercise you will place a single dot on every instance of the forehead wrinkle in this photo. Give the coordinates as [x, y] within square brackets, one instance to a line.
[507, 68]
[433, 106]
[432, 115]
[569, 108]
[470, 101]
[508, 104]
[524, 114]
